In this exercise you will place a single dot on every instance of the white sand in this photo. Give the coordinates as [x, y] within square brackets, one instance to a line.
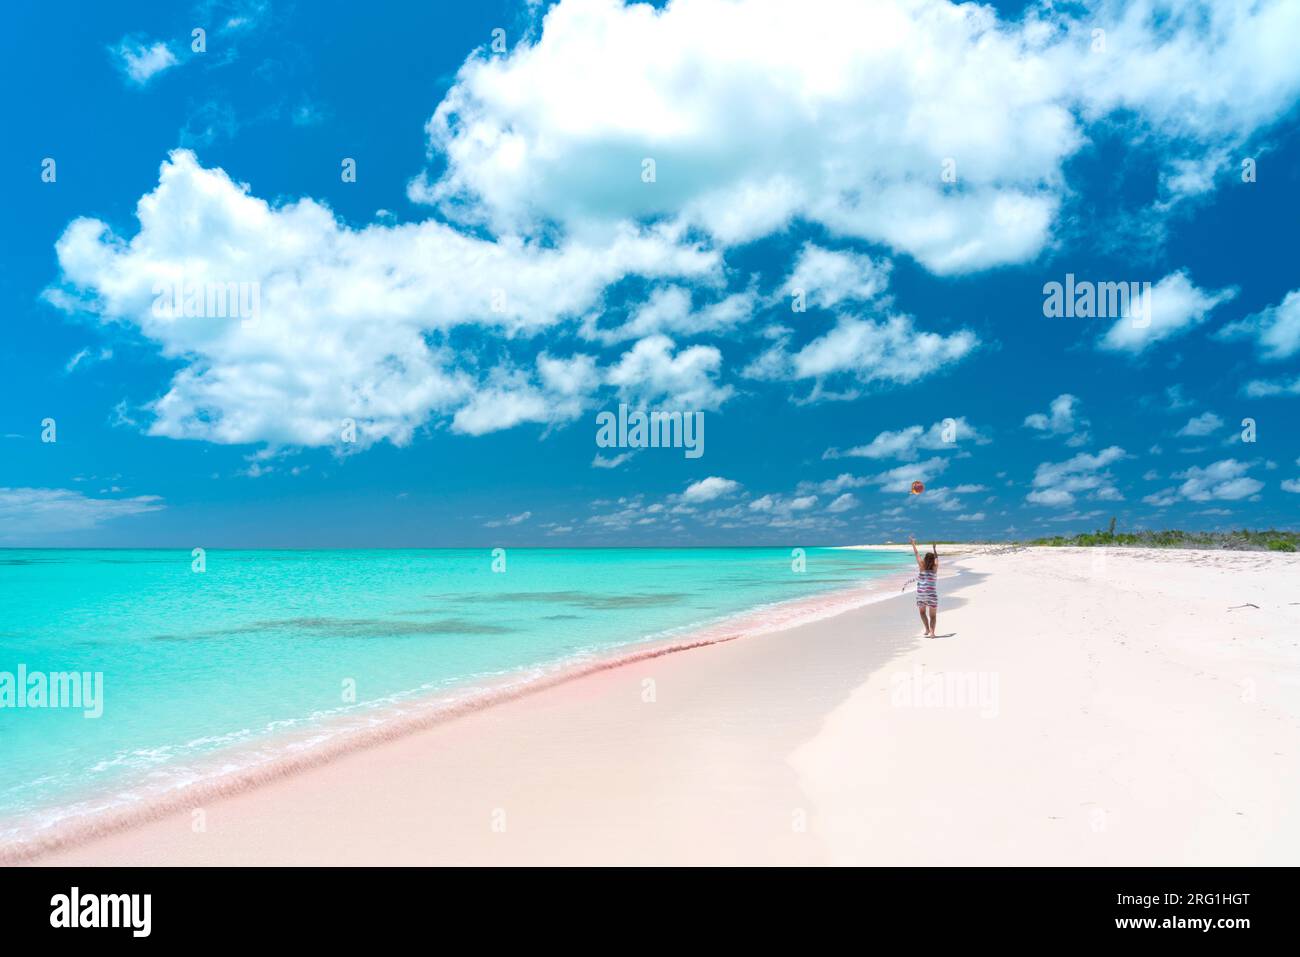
[1136, 720]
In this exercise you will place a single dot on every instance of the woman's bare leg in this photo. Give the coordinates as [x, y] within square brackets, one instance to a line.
[924, 621]
[934, 619]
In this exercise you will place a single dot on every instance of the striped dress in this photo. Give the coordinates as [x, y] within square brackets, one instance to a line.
[927, 592]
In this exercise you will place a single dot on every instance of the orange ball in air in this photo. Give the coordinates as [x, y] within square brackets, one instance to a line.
[918, 488]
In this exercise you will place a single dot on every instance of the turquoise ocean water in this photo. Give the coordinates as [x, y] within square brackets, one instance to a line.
[263, 645]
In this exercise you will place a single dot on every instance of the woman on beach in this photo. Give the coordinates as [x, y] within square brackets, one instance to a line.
[927, 591]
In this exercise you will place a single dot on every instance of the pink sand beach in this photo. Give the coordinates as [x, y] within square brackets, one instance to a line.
[1080, 706]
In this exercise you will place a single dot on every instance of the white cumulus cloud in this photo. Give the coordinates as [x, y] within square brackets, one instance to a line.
[353, 323]
[1276, 330]
[758, 113]
[908, 442]
[1062, 418]
[864, 351]
[41, 511]
[707, 489]
[1200, 425]
[1223, 480]
[1174, 306]
[1059, 483]
[143, 61]
[828, 277]
[1265, 388]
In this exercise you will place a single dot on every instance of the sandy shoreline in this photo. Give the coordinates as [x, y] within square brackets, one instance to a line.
[1100, 707]
[233, 770]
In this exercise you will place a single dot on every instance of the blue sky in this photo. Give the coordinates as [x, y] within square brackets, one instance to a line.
[838, 258]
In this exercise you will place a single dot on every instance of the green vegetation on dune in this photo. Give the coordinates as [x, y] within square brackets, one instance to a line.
[1242, 541]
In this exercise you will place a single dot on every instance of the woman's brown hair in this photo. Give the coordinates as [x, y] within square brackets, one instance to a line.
[931, 559]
